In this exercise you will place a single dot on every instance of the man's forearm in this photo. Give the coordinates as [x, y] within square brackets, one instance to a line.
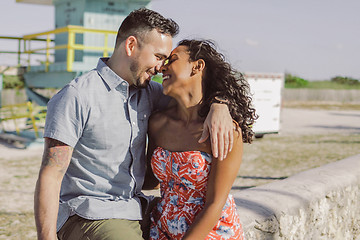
[46, 205]
[56, 159]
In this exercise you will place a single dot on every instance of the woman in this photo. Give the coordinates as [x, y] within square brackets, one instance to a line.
[195, 202]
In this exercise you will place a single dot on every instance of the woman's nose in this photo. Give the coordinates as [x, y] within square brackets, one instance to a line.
[162, 68]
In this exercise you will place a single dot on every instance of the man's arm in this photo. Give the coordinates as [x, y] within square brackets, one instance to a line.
[219, 125]
[55, 161]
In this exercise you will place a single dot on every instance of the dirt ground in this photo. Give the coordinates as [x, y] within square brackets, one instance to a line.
[303, 133]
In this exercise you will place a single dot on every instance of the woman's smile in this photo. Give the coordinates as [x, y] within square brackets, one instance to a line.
[166, 77]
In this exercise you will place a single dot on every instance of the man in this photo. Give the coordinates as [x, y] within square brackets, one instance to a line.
[93, 166]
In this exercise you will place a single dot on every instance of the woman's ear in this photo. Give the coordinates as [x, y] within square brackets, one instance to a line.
[130, 44]
[199, 66]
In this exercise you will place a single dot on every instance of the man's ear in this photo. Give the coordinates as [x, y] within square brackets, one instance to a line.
[130, 44]
[199, 66]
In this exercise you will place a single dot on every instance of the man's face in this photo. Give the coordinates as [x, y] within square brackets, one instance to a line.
[149, 57]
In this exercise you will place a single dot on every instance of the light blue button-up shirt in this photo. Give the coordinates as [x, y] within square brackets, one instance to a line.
[105, 121]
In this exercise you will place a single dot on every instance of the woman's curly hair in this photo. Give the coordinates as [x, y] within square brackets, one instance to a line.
[221, 80]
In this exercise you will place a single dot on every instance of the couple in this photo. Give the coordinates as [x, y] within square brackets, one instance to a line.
[93, 166]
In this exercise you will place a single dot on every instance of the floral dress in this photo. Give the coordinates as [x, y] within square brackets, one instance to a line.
[183, 179]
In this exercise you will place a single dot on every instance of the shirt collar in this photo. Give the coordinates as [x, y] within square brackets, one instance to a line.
[113, 80]
[109, 76]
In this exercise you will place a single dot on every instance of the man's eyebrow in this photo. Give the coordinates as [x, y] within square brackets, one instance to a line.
[162, 56]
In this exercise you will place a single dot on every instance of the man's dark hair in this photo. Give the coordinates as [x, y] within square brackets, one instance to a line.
[143, 20]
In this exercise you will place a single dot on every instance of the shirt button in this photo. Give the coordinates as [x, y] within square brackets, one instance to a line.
[125, 101]
[134, 123]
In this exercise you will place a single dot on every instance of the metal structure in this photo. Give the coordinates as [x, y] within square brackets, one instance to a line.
[84, 31]
[66, 67]
[24, 111]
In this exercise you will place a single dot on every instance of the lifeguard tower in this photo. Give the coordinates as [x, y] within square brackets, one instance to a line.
[84, 31]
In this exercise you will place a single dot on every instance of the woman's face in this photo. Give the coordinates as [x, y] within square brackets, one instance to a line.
[177, 71]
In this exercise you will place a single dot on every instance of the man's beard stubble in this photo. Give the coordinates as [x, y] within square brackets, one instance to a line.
[134, 68]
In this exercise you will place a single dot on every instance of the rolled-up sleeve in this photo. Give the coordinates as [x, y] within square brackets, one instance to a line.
[65, 116]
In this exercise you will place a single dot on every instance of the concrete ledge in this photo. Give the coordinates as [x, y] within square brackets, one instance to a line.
[321, 203]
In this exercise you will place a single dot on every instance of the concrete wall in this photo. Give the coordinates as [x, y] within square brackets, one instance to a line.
[328, 95]
[321, 203]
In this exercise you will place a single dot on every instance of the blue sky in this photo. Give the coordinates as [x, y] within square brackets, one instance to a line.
[314, 39]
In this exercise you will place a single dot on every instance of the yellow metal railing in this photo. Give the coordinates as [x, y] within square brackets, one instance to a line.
[71, 46]
[26, 111]
[20, 47]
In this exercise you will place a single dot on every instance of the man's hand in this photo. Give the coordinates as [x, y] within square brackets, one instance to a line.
[219, 125]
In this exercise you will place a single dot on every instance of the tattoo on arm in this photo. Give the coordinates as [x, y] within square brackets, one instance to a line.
[56, 154]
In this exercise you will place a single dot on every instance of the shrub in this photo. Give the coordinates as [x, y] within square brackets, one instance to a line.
[294, 81]
[345, 80]
[10, 81]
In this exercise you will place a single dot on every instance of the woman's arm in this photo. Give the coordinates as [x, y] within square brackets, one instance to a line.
[222, 176]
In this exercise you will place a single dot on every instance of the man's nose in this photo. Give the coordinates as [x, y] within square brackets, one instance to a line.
[158, 67]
